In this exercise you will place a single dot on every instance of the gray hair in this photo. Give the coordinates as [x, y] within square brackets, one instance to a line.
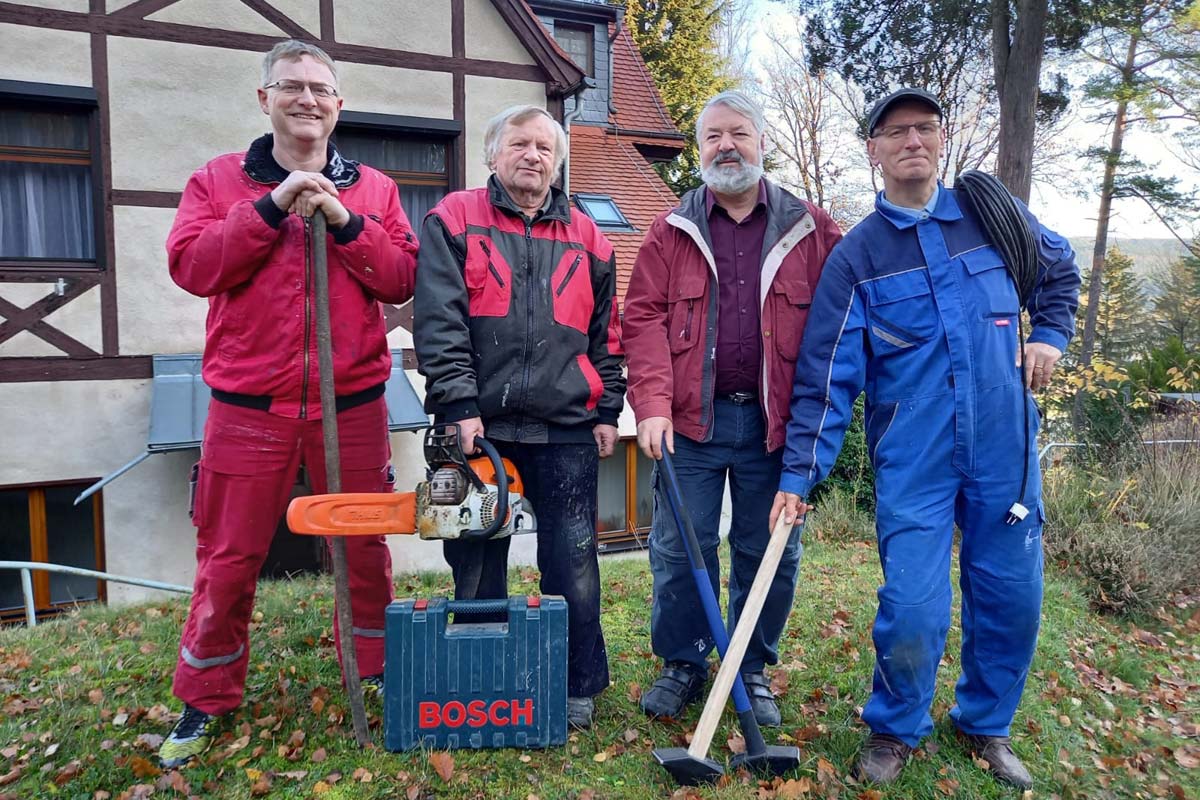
[518, 115]
[292, 50]
[740, 102]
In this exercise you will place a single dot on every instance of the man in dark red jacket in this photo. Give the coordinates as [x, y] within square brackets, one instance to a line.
[516, 333]
[241, 239]
[713, 319]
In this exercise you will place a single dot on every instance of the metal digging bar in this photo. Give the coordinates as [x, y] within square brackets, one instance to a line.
[333, 479]
[690, 766]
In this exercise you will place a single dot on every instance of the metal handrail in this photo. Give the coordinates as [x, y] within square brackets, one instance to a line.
[1051, 445]
[26, 567]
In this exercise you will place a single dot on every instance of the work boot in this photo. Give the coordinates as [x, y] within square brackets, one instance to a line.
[190, 737]
[1002, 762]
[762, 699]
[679, 684]
[881, 759]
[580, 711]
[372, 687]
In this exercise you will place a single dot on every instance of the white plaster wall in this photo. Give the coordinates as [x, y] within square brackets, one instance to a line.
[306, 13]
[81, 430]
[229, 15]
[418, 26]
[154, 315]
[62, 5]
[162, 130]
[486, 97]
[28, 345]
[41, 55]
[488, 35]
[79, 319]
[389, 90]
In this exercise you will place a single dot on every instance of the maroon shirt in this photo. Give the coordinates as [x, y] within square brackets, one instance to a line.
[737, 249]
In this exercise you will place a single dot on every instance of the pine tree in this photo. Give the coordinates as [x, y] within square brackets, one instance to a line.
[1121, 329]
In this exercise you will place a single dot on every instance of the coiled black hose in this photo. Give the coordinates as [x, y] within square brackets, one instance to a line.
[1010, 233]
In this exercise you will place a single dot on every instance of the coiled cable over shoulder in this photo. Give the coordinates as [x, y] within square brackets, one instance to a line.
[1006, 227]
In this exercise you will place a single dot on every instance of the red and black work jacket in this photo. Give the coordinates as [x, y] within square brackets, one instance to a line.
[514, 319]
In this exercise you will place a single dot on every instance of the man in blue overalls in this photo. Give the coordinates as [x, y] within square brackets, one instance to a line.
[916, 307]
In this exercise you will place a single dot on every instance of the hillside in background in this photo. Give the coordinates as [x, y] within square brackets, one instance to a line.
[1149, 255]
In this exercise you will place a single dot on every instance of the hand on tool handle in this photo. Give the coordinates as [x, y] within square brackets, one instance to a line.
[650, 432]
[468, 429]
[791, 506]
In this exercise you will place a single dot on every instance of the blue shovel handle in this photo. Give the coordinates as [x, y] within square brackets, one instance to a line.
[716, 624]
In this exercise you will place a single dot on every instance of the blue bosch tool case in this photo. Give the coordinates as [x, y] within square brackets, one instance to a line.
[476, 685]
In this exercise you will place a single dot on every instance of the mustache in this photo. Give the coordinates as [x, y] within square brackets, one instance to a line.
[729, 156]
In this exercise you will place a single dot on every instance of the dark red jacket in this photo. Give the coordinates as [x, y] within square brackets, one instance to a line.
[231, 244]
[514, 319]
[670, 324]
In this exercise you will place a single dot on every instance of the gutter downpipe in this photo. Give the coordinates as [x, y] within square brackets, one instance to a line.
[573, 114]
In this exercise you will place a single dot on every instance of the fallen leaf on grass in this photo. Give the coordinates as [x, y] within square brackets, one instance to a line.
[948, 786]
[10, 776]
[142, 768]
[1188, 757]
[825, 771]
[68, 772]
[319, 756]
[793, 789]
[443, 765]
[629, 736]
[149, 741]
[362, 775]
[736, 744]
[320, 787]
[96, 697]
[600, 757]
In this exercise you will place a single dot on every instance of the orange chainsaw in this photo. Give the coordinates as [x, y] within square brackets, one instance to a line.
[469, 499]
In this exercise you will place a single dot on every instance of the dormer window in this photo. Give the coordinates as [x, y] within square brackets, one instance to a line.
[604, 212]
[578, 41]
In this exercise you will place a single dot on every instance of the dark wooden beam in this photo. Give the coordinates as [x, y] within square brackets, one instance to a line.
[30, 370]
[145, 199]
[280, 20]
[114, 25]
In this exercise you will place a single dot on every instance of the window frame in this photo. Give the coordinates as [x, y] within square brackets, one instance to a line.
[624, 226]
[84, 101]
[39, 549]
[632, 536]
[589, 32]
[447, 130]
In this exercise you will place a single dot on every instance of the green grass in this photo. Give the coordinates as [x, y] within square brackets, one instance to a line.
[1110, 710]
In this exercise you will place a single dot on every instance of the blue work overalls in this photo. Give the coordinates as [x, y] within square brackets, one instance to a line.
[922, 314]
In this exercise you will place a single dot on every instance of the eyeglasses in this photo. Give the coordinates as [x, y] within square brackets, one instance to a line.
[896, 133]
[294, 88]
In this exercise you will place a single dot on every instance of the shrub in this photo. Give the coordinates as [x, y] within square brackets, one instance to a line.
[837, 517]
[1131, 530]
[852, 474]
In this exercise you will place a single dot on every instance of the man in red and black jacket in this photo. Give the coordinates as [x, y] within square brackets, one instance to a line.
[516, 333]
[241, 239]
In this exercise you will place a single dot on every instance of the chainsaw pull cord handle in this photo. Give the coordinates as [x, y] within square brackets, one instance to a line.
[482, 535]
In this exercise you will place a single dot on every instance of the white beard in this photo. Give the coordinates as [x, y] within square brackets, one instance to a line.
[723, 180]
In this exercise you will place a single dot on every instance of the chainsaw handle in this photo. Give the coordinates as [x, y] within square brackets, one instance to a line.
[482, 535]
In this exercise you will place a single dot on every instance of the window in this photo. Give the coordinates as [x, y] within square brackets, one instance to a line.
[604, 211]
[40, 523]
[47, 208]
[417, 163]
[577, 41]
[626, 499]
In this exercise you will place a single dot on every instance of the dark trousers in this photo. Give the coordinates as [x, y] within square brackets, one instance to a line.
[560, 483]
[737, 452]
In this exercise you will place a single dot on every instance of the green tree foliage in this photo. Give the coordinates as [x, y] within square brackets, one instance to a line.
[1162, 367]
[1121, 329]
[679, 41]
[1177, 305]
[852, 475]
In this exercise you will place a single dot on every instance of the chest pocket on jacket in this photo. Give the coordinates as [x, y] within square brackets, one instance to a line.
[990, 288]
[488, 278]
[902, 315]
[791, 299]
[684, 312]
[571, 290]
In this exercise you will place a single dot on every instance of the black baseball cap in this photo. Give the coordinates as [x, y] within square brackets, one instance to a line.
[884, 104]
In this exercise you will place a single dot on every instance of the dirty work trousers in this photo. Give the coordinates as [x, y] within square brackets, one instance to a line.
[248, 465]
[560, 483]
[678, 628]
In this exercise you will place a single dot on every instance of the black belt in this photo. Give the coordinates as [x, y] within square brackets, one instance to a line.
[738, 398]
[262, 402]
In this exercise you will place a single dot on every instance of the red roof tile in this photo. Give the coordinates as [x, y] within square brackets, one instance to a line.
[639, 106]
[606, 162]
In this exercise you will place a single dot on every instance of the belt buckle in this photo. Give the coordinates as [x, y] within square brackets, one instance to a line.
[740, 398]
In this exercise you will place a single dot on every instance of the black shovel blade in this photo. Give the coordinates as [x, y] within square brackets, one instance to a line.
[686, 769]
[777, 760]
